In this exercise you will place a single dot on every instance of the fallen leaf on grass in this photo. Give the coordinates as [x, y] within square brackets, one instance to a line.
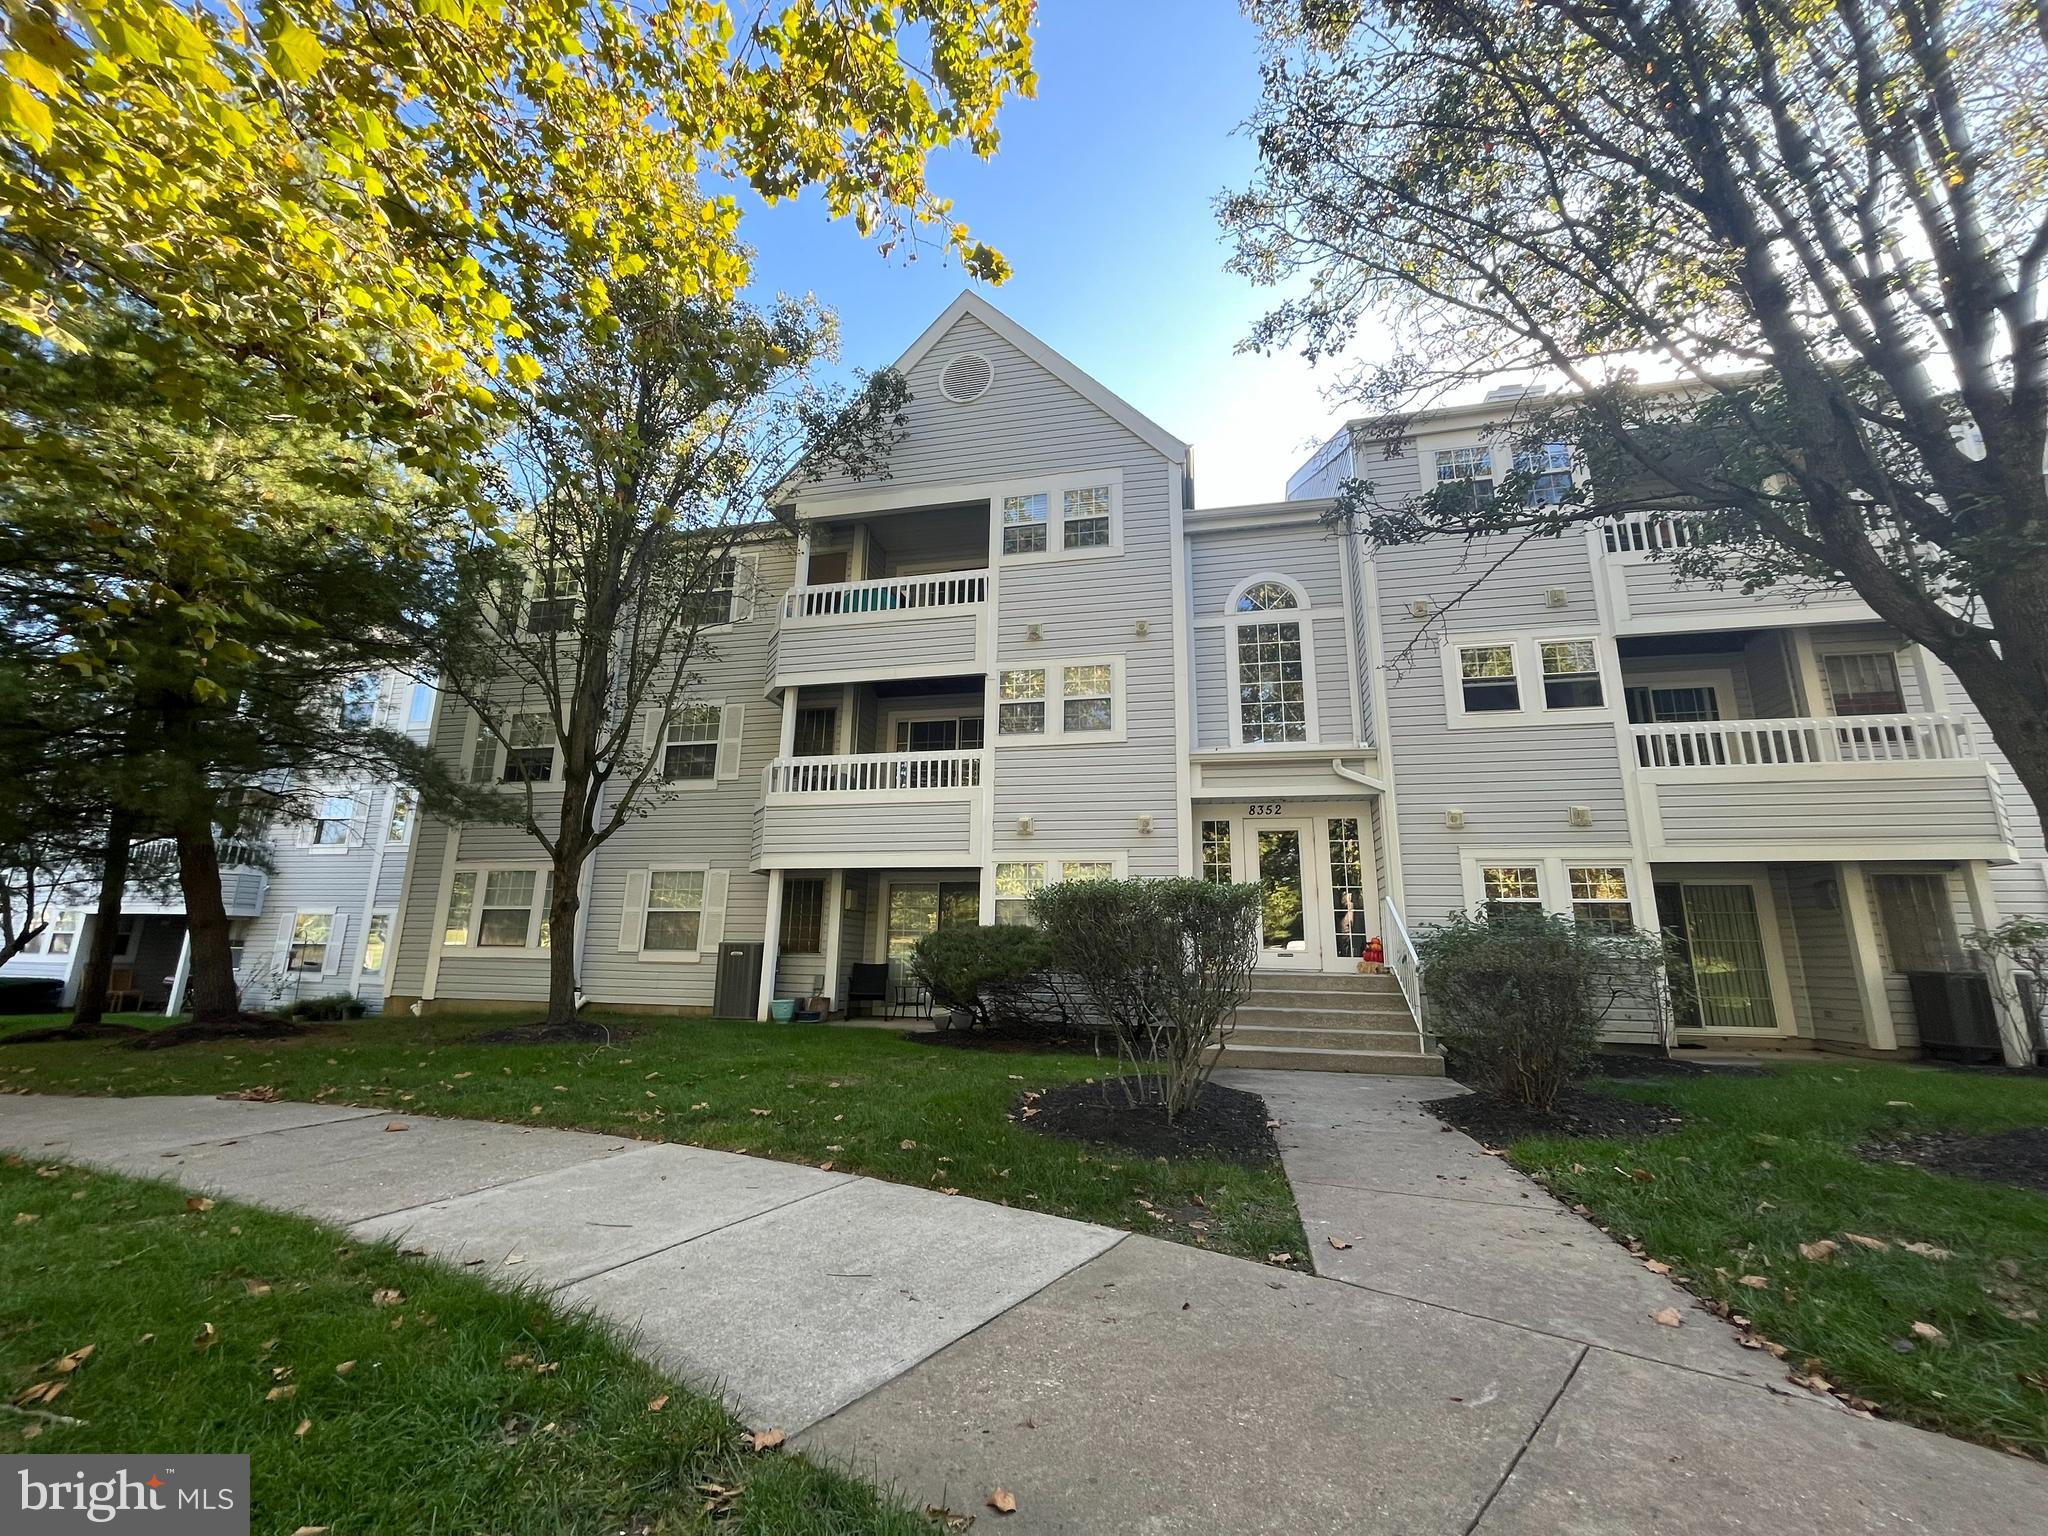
[278, 1394]
[1003, 1502]
[657, 1404]
[907, 1145]
[1754, 1282]
[1820, 1252]
[256, 1287]
[75, 1359]
[1338, 1242]
[825, 1167]
[1927, 1250]
[760, 1111]
[23, 1218]
[40, 1392]
[1898, 1103]
[344, 1368]
[312, 1530]
[300, 1433]
[386, 1297]
[949, 1190]
[767, 1439]
[1279, 1258]
[1874, 1244]
[206, 1337]
[1670, 1317]
[198, 1203]
[1927, 1331]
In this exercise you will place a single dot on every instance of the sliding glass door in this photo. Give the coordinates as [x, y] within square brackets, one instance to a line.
[1722, 951]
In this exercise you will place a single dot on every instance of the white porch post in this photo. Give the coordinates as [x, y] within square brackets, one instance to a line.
[2005, 994]
[1866, 959]
[835, 919]
[771, 945]
[179, 978]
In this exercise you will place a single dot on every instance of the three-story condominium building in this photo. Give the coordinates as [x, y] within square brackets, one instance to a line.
[1025, 656]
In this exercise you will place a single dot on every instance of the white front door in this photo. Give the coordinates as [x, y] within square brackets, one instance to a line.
[1283, 858]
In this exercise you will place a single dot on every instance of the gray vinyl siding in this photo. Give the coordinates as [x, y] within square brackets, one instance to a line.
[1352, 554]
[1212, 686]
[1827, 967]
[1655, 594]
[1773, 692]
[1800, 1004]
[1865, 813]
[917, 830]
[934, 645]
[1512, 782]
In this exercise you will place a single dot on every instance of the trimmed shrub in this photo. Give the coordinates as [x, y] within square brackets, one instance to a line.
[333, 1005]
[1518, 997]
[996, 976]
[1166, 964]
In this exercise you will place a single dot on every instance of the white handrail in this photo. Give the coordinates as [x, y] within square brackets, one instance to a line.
[905, 773]
[1652, 533]
[891, 594]
[1808, 739]
[1402, 959]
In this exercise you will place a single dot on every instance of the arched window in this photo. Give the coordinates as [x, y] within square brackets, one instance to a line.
[1263, 595]
[1270, 659]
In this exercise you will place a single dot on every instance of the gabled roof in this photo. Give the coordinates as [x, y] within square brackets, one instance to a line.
[1117, 408]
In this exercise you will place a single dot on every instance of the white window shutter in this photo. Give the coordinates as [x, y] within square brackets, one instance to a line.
[633, 915]
[650, 734]
[284, 944]
[337, 940]
[364, 805]
[711, 921]
[746, 575]
[732, 720]
[482, 758]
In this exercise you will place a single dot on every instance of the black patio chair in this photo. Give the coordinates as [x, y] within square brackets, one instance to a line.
[867, 984]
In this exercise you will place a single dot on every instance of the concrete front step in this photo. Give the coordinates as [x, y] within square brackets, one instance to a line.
[1259, 1035]
[1323, 1016]
[1294, 1058]
[1324, 981]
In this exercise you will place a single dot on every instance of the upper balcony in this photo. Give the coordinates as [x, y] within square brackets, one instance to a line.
[153, 877]
[870, 810]
[1906, 786]
[1646, 595]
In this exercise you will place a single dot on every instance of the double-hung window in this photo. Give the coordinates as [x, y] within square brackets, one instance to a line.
[376, 942]
[505, 910]
[1549, 468]
[1087, 695]
[1084, 517]
[529, 750]
[399, 828]
[717, 603]
[1015, 884]
[675, 910]
[359, 702]
[1020, 703]
[1600, 897]
[332, 819]
[1486, 676]
[1864, 683]
[1025, 523]
[1571, 674]
[62, 933]
[420, 709]
[1469, 470]
[1516, 887]
[1919, 924]
[691, 748]
[311, 934]
[552, 599]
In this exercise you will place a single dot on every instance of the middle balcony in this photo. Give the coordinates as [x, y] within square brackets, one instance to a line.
[871, 811]
[895, 626]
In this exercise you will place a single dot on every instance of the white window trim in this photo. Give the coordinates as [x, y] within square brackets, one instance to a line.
[1533, 709]
[1451, 450]
[400, 794]
[1055, 868]
[1303, 614]
[50, 935]
[1940, 872]
[746, 589]
[475, 733]
[925, 716]
[1055, 733]
[711, 913]
[1783, 1002]
[125, 955]
[390, 935]
[352, 834]
[533, 949]
[1720, 680]
[1054, 490]
[337, 943]
[1553, 880]
[1898, 655]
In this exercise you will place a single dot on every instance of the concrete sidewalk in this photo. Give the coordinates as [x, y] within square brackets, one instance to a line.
[1477, 1360]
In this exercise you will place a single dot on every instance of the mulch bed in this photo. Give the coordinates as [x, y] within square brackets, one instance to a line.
[1225, 1122]
[2017, 1157]
[246, 1026]
[60, 1032]
[1626, 1064]
[1576, 1113]
[581, 1032]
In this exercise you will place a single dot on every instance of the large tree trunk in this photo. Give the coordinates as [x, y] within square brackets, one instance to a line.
[562, 919]
[91, 1004]
[211, 992]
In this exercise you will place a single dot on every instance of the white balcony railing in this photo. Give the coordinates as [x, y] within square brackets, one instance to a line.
[891, 594]
[910, 775]
[1736, 744]
[1652, 534]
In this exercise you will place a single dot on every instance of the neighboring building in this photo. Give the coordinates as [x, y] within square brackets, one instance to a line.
[1808, 799]
[312, 908]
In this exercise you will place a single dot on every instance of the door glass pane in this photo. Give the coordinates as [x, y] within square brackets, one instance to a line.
[1919, 926]
[817, 732]
[1285, 930]
[1864, 683]
[1347, 887]
[913, 913]
[1728, 967]
[933, 735]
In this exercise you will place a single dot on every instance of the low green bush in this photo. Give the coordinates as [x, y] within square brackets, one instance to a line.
[1518, 997]
[996, 976]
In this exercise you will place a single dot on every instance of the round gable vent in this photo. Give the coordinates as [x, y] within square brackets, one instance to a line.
[966, 377]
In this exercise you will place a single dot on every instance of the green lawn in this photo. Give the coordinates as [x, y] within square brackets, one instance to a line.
[1767, 1164]
[370, 1392]
[863, 1100]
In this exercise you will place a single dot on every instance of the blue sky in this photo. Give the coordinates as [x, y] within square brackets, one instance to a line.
[1101, 196]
